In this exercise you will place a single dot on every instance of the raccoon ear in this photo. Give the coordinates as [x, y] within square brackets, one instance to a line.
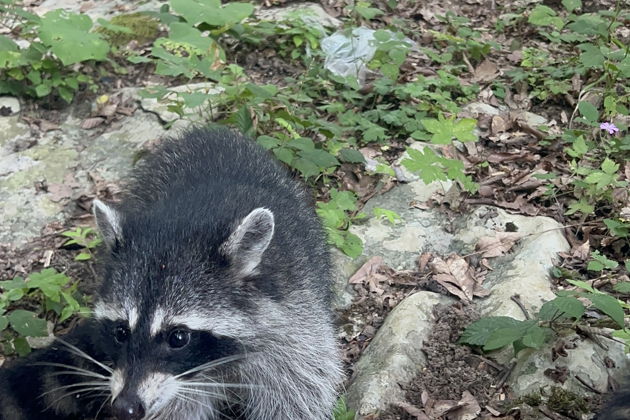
[250, 239]
[108, 221]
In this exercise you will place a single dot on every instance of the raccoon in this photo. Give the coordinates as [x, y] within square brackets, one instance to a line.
[217, 288]
[216, 292]
[618, 408]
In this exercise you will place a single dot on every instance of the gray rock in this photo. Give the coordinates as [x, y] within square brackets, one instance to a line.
[394, 356]
[310, 13]
[105, 9]
[9, 106]
[477, 108]
[585, 361]
[525, 271]
[62, 160]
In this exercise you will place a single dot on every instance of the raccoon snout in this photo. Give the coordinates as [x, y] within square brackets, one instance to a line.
[128, 407]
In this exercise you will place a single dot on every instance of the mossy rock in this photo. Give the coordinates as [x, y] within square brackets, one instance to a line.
[143, 28]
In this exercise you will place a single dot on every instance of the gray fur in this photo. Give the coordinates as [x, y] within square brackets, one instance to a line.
[215, 235]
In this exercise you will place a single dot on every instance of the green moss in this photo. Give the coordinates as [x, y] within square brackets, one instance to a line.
[143, 29]
[567, 403]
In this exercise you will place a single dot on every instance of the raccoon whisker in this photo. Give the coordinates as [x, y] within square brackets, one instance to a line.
[109, 397]
[81, 353]
[210, 365]
[197, 391]
[100, 385]
[76, 369]
[185, 397]
[220, 385]
[76, 391]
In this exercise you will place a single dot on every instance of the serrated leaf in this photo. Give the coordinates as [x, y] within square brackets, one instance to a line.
[623, 287]
[566, 306]
[351, 156]
[320, 158]
[502, 337]
[608, 305]
[27, 324]
[69, 37]
[16, 283]
[464, 130]
[595, 266]
[478, 333]
[609, 167]
[591, 56]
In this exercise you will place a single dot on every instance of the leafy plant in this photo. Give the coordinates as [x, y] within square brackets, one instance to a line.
[342, 412]
[86, 238]
[54, 290]
[337, 215]
[54, 42]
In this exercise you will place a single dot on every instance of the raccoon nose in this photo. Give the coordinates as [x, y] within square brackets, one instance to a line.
[128, 407]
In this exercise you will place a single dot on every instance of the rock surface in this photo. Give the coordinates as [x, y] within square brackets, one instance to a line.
[394, 355]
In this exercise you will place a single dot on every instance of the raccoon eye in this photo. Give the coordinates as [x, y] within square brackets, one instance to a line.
[178, 338]
[121, 334]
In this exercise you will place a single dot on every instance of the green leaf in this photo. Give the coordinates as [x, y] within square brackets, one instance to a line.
[391, 216]
[184, 33]
[562, 306]
[69, 37]
[534, 337]
[571, 5]
[268, 142]
[27, 324]
[16, 283]
[351, 156]
[624, 286]
[4, 322]
[21, 346]
[595, 266]
[464, 130]
[608, 305]
[320, 158]
[545, 16]
[212, 12]
[352, 245]
[502, 337]
[478, 333]
[609, 167]
[588, 111]
[83, 256]
[591, 56]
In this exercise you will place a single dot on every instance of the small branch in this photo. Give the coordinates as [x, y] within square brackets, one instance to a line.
[517, 300]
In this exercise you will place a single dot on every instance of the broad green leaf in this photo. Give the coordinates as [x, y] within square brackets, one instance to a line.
[320, 158]
[27, 324]
[16, 283]
[268, 142]
[582, 284]
[4, 322]
[352, 245]
[571, 5]
[83, 256]
[306, 167]
[212, 12]
[591, 56]
[69, 37]
[545, 16]
[464, 130]
[534, 337]
[502, 337]
[608, 305]
[566, 306]
[184, 33]
[21, 346]
[609, 166]
[588, 111]
[351, 156]
[623, 287]
[595, 266]
[478, 333]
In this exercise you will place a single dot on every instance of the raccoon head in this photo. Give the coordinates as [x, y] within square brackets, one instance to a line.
[174, 317]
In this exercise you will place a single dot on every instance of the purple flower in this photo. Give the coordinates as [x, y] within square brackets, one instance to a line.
[610, 127]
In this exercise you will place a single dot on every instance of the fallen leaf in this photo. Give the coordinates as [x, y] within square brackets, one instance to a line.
[581, 251]
[469, 408]
[456, 275]
[495, 246]
[368, 269]
[486, 72]
[90, 123]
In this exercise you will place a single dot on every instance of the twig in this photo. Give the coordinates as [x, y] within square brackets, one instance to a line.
[517, 300]
[589, 387]
[506, 374]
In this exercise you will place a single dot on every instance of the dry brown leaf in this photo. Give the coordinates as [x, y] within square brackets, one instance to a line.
[469, 408]
[500, 244]
[486, 72]
[498, 125]
[413, 411]
[368, 269]
[456, 275]
[423, 260]
[93, 122]
[581, 251]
